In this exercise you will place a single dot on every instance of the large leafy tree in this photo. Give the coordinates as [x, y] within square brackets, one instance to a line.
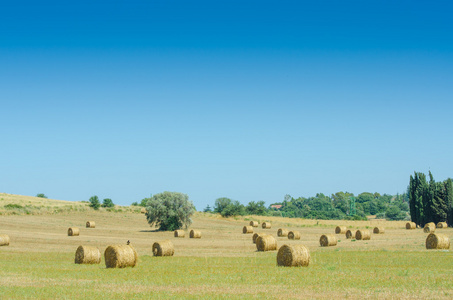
[169, 210]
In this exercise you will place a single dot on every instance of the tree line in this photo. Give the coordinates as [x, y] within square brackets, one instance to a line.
[430, 201]
[341, 205]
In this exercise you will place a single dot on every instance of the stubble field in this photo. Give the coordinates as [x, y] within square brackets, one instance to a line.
[224, 263]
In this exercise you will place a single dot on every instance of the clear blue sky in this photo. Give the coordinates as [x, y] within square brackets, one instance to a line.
[249, 100]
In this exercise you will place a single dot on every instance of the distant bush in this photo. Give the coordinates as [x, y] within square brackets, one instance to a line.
[41, 196]
[108, 203]
[94, 202]
[13, 206]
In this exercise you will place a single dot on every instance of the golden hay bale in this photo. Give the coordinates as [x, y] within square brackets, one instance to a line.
[327, 240]
[120, 256]
[363, 235]
[437, 241]
[73, 231]
[266, 242]
[87, 255]
[255, 236]
[429, 227]
[294, 235]
[411, 225]
[163, 248]
[254, 223]
[143, 210]
[180, 233]
[195, 234]
[282, 232]
[293, 256]
[379, 230]
[442, 225]
[247, 229]
[4, 240]
[91, 224]
[350, 234]
[266, 225]
[340, 229]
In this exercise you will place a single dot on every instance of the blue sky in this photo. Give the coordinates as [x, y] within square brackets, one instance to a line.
[249, 101]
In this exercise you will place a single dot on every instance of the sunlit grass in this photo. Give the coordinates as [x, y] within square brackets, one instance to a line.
[378, 274]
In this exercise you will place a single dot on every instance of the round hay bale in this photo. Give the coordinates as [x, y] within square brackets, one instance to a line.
[327, 240]
[429, 227]
[120, 256]
[247, 229]
[4, 240]
[91, 224]
[266, 225]
[294, 235]
[143, 210]
[411, 225]
[87, 255]
[340, 229]
[363, 235]
[437, 241]
[255, 236]
[266, 243]
[293, 256]
[282, 232]
[163, 248]
[442, 225]
[379, 230]
[195, 234]
[254, 223]
[180, 233]
[350, 234]
[73, 231]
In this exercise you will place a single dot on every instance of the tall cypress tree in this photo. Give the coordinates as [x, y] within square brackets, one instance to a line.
[411, 194]
[449, 200]
[420, 198]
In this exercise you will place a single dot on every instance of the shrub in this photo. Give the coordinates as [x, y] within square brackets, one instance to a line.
[94, 202]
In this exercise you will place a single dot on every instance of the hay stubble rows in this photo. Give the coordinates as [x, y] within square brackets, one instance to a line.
[223, 259]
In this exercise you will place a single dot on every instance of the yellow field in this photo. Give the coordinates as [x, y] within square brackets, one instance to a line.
[224, 263]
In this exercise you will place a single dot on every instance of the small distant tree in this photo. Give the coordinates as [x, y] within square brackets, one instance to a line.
[169, 210]
[107, 202]
[94, 202]
[144, 202]
[207, 209]
[41, 196]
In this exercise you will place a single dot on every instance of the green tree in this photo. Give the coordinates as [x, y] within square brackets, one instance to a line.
[221, 204]
[107, 202]
[256, 208]
[41, 195]
[235, 208]
[169, 210]
[449, 200]
[394, 213]
[94, 202]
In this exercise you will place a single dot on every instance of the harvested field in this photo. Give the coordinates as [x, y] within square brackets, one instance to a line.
[39, 261]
